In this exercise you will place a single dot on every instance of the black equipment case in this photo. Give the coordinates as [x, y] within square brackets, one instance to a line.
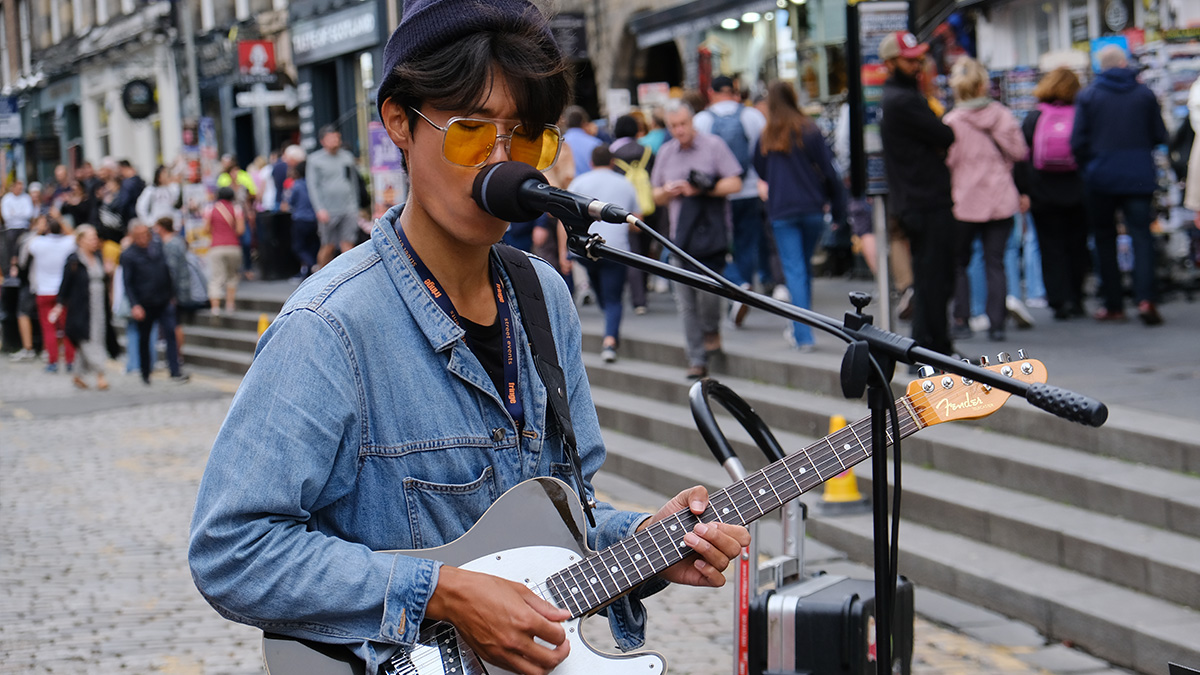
[825, 625]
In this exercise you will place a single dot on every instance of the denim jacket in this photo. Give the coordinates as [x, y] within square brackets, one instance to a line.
[364, 424]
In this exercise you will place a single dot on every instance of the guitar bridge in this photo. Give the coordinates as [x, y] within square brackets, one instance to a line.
[438, 652]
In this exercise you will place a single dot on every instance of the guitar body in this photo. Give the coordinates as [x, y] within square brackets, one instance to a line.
[533, 530]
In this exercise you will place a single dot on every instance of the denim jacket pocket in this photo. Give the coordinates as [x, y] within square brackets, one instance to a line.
[438, 513]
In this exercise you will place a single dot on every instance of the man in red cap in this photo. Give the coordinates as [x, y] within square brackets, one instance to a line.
[914, 153]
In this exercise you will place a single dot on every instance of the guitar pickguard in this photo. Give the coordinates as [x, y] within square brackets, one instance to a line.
[443, 653]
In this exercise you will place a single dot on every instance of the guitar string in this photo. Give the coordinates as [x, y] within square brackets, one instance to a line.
[910, 424]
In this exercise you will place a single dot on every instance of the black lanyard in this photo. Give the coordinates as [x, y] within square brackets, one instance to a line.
[510, 393]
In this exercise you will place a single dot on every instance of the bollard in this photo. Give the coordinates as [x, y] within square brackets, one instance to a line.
[841, 494]
[263, 324]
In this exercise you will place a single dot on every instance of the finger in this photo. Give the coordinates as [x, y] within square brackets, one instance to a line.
[695, 498]
[552, 612]
[710, 576]
[544, 658]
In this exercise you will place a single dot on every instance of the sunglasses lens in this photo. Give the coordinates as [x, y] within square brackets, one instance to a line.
[539, 151]
[469, 143]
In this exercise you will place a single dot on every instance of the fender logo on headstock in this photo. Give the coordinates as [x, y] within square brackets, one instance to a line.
[946, 406]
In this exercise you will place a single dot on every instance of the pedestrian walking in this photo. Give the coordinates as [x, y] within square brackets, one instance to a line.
[175, 250]
[48, 254]
[161, 199]
[83, 299]
[1052, 191]
[636, 162]
[740, 127]
[17, 209]
[332, 178]
[694, 173]
[151, 296]
[607, 277]
[796, 165]
[225, 220]
[305, 241]
[915, 142]
[1118, 123]
[987, 144]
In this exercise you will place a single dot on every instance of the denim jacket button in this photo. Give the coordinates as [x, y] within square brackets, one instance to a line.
[497, 434]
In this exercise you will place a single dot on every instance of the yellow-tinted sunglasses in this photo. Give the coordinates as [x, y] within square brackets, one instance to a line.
[469, 141]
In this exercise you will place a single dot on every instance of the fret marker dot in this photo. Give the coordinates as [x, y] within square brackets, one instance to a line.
[725, 510]
[846, 446]
[574, 590]
[613, 569]
[803, 470]
[673, 528]
[592, 580]
[761, 491]
[637, 556]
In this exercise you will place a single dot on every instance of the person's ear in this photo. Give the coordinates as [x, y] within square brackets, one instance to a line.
[395, 120]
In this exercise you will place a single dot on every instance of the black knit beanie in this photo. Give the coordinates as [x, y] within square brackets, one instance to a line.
[430, 24]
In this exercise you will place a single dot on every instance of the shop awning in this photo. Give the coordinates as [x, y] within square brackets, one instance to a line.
[929, 14]
[655, 27]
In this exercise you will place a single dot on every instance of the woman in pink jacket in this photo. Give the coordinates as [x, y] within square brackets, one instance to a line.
[987, 142]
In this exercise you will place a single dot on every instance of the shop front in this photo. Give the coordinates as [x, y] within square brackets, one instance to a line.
[336, 55]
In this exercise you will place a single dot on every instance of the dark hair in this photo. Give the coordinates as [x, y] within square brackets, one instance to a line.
[626, 126]
[225, 194]
[158, 173]
[326, 130]
[601, 155]
[124, 163]
[786, 123]
[166, 223]
[53, 225]
[576, 117]
[459, 76]
[299, 169]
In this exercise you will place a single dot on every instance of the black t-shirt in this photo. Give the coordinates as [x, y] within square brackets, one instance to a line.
[485, 343]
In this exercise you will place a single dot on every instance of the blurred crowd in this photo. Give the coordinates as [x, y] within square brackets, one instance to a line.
[988, 215]
[101, 248]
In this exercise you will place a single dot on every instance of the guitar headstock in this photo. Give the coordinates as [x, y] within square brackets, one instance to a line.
[947, 397]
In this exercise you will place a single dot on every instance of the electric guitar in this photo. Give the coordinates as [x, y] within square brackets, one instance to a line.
[534, 534]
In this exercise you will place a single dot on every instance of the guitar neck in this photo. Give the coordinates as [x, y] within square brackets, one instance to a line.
[599, 579]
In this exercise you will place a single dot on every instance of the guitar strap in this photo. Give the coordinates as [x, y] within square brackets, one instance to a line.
[536, 322]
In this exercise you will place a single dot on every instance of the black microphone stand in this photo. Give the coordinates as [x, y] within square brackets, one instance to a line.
[868, 365]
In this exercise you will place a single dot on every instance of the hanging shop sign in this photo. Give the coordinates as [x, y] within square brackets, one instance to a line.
[256, 62]
[1115, 16]
[138, 99]
[570, 32]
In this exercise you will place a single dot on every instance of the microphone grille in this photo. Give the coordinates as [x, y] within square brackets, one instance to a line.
[497, 190]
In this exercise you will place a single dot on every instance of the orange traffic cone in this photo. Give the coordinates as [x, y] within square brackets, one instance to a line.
[841, 494]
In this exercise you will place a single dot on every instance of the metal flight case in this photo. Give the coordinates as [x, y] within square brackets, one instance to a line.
[825, 625]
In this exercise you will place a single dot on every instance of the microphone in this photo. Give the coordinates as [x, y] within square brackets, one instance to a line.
[517, 192]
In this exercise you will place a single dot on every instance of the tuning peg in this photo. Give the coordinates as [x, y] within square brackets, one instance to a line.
[1003, 357]
[983, 360]
[1021, 354]
[926, 371]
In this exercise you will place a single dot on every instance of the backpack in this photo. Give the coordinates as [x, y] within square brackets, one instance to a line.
[635, 172]
[1052, 139]
[733, 132]
[197, 292]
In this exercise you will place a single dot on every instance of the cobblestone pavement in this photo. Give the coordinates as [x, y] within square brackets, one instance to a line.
[96, 493]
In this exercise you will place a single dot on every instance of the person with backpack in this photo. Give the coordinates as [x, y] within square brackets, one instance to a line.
[635, 161]
[1118, 123]
[739, 126]
[1052, 191]
[987, 143]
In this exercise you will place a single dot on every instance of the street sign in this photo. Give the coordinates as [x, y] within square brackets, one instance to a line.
[267, 98]
[10, 118]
